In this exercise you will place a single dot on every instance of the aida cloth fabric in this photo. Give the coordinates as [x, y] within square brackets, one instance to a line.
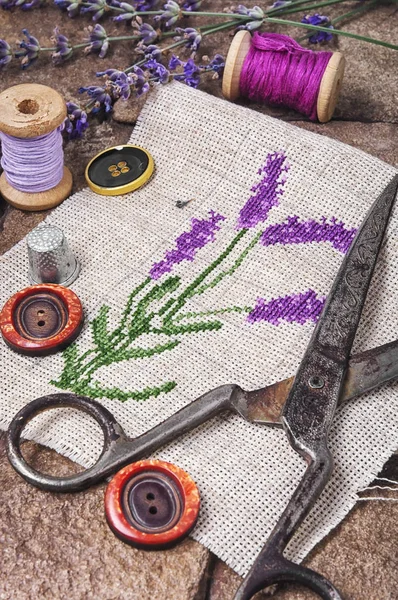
[224, 290]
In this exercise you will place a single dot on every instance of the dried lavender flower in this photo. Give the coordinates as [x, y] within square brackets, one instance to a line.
[119, 81]
[76, 121]
[71, 6]
[318, 37]
[158, 72]
[99, 40]
[140, 81]
[28, 5]
[98, 7]
[192, 36]
[5, 54]
[151, 51]
[129, 11]
[171, 14]
[29, 50]
[191, 5]
[102, 99]
[63, 48]
[147, 33]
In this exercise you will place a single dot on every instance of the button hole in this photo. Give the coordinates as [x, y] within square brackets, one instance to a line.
[153, 510]
[150, 496]
[41, 323]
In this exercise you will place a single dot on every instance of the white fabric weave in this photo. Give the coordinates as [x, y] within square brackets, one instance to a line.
[211, 150]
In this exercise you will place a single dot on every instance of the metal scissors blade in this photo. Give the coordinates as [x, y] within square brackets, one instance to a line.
[313, 397]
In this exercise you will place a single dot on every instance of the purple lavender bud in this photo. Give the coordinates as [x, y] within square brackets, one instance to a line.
[280, 3]
[99, 40]
[71, 6]
[191, 5]
[295, 308]
[98, 7]
[151, 51]
[29, 49]
[100, 96]
[140, 82]
[217, 65]
[5, 54]
[158, 72]
[119, 83]
[63, 48]
[191, 73]
[192, 36]
[129, 11]
[146, 32]
[251, 25]
[28, 5]
[171, 14]
[76, 121]
[174, 62]
[318, 37]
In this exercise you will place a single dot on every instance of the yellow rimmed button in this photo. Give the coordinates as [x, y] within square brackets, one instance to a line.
[119, 170]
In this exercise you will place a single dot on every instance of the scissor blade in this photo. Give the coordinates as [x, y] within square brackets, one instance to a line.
[311, 403]
[366, 371]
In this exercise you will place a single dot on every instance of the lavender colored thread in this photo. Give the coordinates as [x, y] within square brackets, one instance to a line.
[265, 193]
[296, 308]
[202, 232]
[278, 71]
[296, 232]
[33, 164]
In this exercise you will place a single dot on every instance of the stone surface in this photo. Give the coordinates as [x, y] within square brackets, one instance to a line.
[58, 546]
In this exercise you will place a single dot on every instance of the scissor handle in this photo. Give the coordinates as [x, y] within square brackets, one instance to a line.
[114, 436]
[285, 571]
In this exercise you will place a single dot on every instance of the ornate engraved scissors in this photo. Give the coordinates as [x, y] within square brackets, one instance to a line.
[304, 406]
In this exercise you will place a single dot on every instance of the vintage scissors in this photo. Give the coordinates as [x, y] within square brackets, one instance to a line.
[304, 406]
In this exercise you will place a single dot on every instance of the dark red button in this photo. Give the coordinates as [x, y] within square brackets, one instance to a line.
[152, 504]
[41, 319]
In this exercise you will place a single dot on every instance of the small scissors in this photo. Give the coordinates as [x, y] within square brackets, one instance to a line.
[304, 406]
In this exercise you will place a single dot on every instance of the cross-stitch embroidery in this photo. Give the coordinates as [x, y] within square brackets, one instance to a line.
[156, 305]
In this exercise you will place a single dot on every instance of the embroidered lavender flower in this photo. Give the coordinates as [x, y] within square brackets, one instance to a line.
[146, 32]
[29, 50]
[63, 49]
[191, 5]
[256, 13]
[76, 122]
[192, 36]
[171, 14]
[304, 232]
[296, 308]
[318, 37]
[5, 54]
[100, 97]
[71, 6]
[266, 193]
[158, 72]
[201, 233]
[96, 7]
[99, 40]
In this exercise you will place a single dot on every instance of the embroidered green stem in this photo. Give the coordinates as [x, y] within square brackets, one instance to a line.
[208, 313]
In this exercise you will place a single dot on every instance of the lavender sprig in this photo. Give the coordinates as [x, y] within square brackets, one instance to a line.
[145, 31]
[192, 37]
[5, 54]
[29, 50]
[71, 6]
[98, 39]
[63, 49]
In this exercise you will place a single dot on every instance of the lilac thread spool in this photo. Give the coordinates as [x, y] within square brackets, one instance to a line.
[31, 117]
[273, 68]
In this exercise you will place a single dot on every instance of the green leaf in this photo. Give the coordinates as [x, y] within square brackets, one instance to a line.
[99, 327]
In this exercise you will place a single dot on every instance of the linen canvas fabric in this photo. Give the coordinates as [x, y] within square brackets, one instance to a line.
[225, 290]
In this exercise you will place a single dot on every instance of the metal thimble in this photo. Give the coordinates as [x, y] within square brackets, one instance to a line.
[50, 260]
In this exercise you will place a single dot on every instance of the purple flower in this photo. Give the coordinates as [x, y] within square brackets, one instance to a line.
[140, 81]
[171, 14]
[304, 232]
[119, 81]
[7, 4]
[201, 233]
[255, 13]
[265, 193]
[151, 51]
[318, 37]
[191, 75]
[146, 32]
[28, 5]
[71, 6]
[280, 3]
[99, 40]
[100, 96]
[63, 49]
[129, 11]
[76, 122]
[192, 36]
[5, 54]
[98, 7]
[296, 308]
[174, 62]
[191, 5]
[158, 72]
[217, 65]
[29, 49]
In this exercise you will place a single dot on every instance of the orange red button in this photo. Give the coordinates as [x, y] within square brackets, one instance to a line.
[41, 319]
[152, 504]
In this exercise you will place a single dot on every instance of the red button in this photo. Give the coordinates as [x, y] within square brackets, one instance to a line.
[41, 319]
[152, 504]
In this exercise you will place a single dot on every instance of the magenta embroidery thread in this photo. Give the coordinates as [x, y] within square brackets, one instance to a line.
[278, 71]
[33, 164]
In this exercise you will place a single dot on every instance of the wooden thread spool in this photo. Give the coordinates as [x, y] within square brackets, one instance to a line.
[328, 91]
[26, 111]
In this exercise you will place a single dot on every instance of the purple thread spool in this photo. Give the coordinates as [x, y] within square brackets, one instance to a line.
[274, 69]
[31, 118]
